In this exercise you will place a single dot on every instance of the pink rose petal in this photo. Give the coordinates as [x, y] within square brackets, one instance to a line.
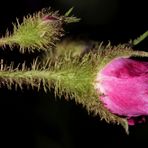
[124, 85]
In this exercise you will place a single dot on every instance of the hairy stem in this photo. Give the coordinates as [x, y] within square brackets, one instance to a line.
[141, 38]
[74, 84]
[73, 77]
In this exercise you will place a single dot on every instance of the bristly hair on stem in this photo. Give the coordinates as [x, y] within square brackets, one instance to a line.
[72, 77]
[72, 73]
[39, 31]
[139, 39]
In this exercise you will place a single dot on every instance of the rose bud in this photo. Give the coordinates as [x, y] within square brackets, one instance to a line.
[123, 88]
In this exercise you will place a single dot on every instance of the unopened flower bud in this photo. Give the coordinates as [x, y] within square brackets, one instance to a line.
[123, 84]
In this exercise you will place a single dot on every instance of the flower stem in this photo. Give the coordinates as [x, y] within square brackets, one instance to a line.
[141, 38]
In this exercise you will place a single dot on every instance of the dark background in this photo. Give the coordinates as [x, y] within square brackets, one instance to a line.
[35, 119]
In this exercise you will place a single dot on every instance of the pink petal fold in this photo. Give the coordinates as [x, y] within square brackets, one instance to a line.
[123, 84]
